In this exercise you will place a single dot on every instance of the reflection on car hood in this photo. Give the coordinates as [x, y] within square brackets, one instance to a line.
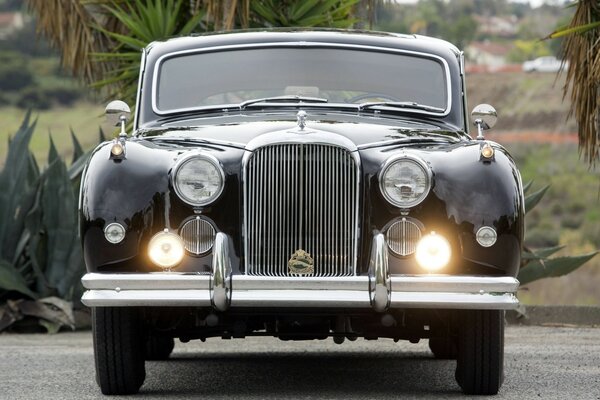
[239, 130]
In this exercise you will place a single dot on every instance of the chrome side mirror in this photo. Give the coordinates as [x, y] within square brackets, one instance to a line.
[117, 113]
[484, 117]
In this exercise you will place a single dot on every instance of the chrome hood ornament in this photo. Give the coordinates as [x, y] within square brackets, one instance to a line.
[301, 263]
[301, 119]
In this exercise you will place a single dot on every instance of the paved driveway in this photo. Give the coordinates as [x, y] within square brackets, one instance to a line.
[541, 362]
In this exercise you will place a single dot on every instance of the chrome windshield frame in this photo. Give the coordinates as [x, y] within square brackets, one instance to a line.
[303, 44]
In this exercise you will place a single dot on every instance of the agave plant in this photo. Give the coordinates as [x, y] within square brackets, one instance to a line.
[40, 254]
[537, 264]
[582, 51]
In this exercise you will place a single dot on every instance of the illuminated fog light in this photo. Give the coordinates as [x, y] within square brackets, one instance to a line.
[433, 252]
[486, 236]
[166, 249]
[114, 233]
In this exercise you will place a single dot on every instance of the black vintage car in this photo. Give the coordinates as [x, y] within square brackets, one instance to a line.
[301, 185]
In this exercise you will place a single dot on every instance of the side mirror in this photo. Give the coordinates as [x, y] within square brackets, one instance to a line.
[484, 117]
[117, 113]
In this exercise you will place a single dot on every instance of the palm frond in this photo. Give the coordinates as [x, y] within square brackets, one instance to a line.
[68, 25]
[582, 52]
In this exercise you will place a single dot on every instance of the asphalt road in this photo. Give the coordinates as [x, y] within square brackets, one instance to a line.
[540, 362]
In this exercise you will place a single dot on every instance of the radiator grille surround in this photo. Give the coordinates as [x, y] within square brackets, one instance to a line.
[301, 196]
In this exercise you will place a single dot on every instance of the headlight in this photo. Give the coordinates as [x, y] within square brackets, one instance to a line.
[166, 249]
[433, 252]
[199, 179]
[405, 181]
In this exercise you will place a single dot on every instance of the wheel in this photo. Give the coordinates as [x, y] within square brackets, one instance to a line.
[159, 347]
[443, 348]
[480, 361]
[118, 349]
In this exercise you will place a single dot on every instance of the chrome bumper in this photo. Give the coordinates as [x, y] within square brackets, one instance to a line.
[222, 290]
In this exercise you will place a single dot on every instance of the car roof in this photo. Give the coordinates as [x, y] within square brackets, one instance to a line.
[415, 43]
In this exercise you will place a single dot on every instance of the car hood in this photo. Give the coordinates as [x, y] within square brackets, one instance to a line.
[244, 130]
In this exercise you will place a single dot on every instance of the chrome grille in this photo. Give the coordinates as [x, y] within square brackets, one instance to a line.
[198, 235]
[301, 196]
[402, 237]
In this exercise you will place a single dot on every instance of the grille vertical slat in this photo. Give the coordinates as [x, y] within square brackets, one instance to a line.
[301, 196]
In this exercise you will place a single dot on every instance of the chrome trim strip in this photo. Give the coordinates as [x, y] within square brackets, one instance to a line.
[146, 298]
[380, 284]
[408, 291]
[139, 90]
[221, 282]
[149, 281]
[297, 136]
[301, 44]
[465, 301]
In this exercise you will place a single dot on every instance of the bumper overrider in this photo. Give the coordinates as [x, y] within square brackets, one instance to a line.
[222, 290]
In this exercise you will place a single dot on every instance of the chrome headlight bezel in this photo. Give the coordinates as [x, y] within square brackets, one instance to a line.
[421, 164]
[184, 161]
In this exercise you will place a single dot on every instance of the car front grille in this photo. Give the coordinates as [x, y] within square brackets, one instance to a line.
[301, 197]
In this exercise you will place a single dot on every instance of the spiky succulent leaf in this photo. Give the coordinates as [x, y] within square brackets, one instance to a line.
[12, 280]
[552, 268]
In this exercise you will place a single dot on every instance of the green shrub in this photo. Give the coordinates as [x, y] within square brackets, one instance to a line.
[14, 72]
[34, 98]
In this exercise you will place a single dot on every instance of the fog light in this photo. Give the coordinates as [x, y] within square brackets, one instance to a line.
[486, 236]
[114, 233]
[433, 252]
[166, 249]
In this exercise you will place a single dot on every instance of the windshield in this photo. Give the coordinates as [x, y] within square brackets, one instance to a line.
[338, 75]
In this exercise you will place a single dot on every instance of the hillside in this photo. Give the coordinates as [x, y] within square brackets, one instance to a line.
[530, 102]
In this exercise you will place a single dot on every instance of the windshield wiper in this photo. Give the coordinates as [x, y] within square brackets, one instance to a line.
[400, 104]
[300, 99]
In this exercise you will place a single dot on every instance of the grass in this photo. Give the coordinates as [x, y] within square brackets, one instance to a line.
[569, 214]
[84, 118]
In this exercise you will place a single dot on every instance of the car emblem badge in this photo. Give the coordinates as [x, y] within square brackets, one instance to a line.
[301, 263]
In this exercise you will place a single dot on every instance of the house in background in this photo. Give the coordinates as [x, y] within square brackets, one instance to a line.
[491, 55]
[10, 22]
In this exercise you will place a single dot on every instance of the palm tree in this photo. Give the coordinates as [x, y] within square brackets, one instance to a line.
[100, 40]
[582, 52]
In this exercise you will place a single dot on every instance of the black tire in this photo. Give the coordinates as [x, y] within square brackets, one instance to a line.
[480, 361]
[443, 348]
[159, 347]
[118, 349]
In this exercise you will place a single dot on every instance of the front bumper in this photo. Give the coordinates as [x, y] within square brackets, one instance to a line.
[222, 290]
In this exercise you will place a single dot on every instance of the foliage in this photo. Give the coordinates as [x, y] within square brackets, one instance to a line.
[524, 50]
[277, 13]
[537, 264]
[141, 23]
[40, 253]
[582, 52]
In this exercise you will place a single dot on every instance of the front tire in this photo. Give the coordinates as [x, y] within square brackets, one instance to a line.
[118, 349]
[480, 361]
